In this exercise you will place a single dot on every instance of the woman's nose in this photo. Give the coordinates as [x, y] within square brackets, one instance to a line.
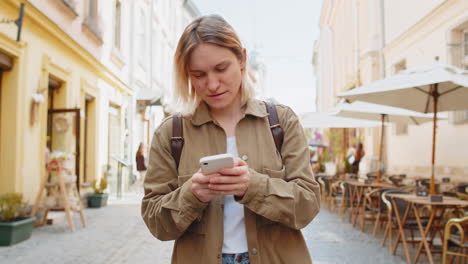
[213, 83]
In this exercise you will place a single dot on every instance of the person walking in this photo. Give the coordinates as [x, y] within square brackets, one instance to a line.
[252, 212]
[141, 160]
[358, 154]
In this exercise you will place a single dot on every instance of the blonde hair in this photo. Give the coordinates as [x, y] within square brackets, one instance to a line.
[211, 29]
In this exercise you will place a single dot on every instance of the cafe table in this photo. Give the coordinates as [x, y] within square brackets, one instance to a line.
[435, 219]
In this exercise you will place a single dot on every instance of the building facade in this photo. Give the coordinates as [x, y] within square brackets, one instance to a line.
[58, 86]
[362, 41]
[158, 25]
[86, 79]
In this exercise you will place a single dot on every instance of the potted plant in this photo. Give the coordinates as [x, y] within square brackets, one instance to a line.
[15, 224]
[98, 198]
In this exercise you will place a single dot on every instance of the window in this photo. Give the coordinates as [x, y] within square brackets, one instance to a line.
[117, 24]
[459, 50]
[458, 117]
[92, 19]
[400, 129]
[92, 11]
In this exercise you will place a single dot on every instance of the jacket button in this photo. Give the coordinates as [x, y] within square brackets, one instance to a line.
[245, 158]
[254, 251]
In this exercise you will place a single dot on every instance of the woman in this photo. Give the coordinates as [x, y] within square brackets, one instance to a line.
[141, 160]
[358, 154]
[253, 212]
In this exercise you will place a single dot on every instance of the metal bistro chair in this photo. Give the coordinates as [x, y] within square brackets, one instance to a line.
[410, 223]
[392, 224]
[345, 199]
[370, 208]
[382, 215]
[347, 190]
[336, 194]
[323, 191]
[456, 243]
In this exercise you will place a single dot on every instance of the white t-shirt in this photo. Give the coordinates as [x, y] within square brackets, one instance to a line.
[235, 239]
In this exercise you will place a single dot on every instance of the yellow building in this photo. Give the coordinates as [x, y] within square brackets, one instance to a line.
[62, 87]
[362, 41]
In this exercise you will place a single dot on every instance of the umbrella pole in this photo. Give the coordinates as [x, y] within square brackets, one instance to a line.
[345, 144]
[435, 96]
[379, 172]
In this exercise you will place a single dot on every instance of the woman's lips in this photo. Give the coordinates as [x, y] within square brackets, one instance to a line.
[216, 95]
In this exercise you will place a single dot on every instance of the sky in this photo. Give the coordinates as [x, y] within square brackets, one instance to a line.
[283, 33]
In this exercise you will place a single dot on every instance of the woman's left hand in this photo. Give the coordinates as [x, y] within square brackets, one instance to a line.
[232, 181]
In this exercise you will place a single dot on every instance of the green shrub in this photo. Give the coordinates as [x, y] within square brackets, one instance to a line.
[12, 207]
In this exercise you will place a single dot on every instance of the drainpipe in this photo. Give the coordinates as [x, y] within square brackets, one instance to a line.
[382, 25]
[382, 58]
[358, 51]
[131, 72]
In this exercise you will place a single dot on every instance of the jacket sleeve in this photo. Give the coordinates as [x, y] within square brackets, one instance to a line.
[291, 196]
[167, 208]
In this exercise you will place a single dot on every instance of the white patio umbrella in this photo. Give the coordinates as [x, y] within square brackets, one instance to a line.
[329, 120]
[428, 89]
[374, 112]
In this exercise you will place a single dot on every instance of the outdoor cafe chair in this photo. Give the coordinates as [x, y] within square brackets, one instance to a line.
[382, 215]
[370, 207]
[391, 226]
[323, 191]
[345, 198]
[336, 194]
[456, 243]
[462, 188]
[348, 191]
[410, 223]
[397, 179]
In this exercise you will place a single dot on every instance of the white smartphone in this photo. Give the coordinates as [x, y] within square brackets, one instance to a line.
[211, 164]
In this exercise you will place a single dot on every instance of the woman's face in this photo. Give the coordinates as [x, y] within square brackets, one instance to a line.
[216, 75]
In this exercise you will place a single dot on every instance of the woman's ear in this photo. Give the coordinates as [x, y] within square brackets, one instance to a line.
[244, 59]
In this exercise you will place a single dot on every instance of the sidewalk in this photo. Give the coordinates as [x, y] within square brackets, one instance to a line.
[117, 234]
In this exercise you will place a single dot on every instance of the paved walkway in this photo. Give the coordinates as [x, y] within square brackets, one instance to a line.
[117, 234]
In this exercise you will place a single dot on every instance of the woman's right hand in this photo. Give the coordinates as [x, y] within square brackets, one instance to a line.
[200, 188]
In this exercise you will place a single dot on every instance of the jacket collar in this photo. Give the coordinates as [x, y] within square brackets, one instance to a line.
[202, 114]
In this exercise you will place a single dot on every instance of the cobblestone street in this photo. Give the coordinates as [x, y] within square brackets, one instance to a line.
[117, 234]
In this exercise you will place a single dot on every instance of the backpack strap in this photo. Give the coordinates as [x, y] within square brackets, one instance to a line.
[276, 129]
[177, 139]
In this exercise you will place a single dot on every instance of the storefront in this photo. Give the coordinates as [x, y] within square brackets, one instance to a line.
[55, 96]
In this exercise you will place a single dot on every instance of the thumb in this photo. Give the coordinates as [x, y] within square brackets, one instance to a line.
[239, 162]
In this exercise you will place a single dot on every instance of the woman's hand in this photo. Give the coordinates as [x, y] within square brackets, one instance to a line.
[200, 188]
[230, 181]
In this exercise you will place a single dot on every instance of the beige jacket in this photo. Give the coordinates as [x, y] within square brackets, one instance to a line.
[282, 195]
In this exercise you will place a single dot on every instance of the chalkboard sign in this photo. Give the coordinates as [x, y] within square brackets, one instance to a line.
[436, 198]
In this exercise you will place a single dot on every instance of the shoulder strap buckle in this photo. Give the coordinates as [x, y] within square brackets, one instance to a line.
[275, 126]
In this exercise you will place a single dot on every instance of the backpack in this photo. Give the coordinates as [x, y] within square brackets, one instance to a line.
[177, 140]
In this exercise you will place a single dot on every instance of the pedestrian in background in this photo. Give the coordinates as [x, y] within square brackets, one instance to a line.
[141, 160]
[252, 212]
[358, 154]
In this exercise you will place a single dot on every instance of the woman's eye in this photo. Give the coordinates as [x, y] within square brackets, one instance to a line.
[198, 75]
[221, 68]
